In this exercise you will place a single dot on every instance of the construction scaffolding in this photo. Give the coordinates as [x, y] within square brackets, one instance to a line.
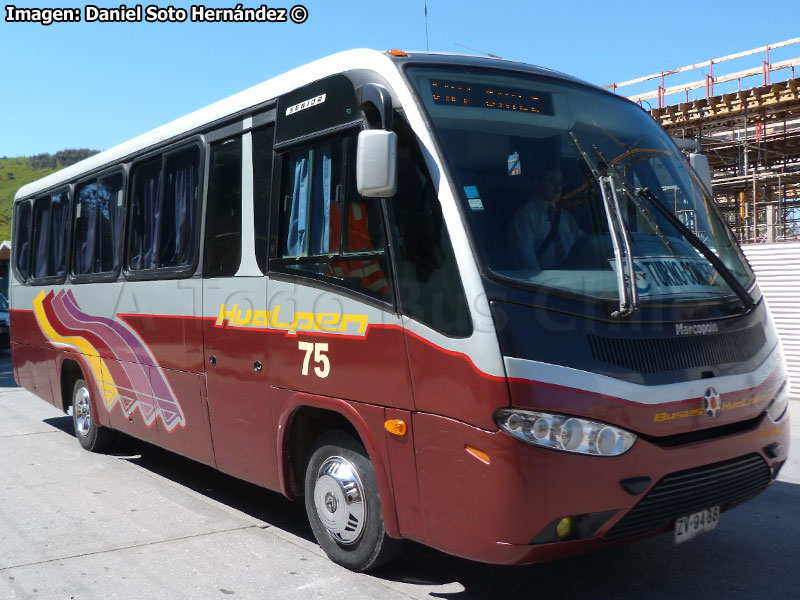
[751, 135]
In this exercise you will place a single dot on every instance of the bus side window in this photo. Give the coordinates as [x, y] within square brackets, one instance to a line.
[177, 240]
[329, 231]
[262, 190]
[164, 211]
[22, 240]
[429, 283]
[98, 226]
[144, 215]
[223, 245]
[50, 226]
[364, 224]
[362, 236]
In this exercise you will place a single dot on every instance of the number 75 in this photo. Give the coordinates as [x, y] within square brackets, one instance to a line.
[324, 368]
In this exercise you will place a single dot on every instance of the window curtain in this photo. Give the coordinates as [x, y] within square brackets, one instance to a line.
[85, 227]
[310, 214]
[298, 215]
[98, 228]
[109, 223]
[321, 202]
[178, 225]
[59, 222]
[23, 233]
[146, 217]
[42, 229]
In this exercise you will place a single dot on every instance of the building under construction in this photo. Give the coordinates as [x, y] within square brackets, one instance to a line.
[748, 124]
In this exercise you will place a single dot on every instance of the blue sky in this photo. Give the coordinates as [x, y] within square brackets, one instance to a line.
[94, 85]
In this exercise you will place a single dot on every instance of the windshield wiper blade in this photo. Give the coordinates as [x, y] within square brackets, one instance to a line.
[626, 273]
[653, 200]
[635, 199]
[689, 235]
[631, 304]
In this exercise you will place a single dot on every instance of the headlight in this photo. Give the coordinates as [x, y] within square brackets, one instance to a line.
[777, 407]
[561, 432]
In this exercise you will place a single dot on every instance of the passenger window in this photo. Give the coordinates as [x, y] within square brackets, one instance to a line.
[429, 283]
[145, 215]
[364, 230]
[22, 240]
[50, 225]
[178, 227]
[164, 211]
[223, 245]
[327, 230]
[98, 226]
[262, 190]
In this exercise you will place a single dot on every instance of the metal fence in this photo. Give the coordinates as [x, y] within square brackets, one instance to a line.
[777, 267]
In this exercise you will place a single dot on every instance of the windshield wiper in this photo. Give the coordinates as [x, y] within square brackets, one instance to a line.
[687, 233]
[635, 199]
[620, 238]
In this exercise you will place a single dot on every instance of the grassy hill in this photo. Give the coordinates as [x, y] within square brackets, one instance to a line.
[16, 172]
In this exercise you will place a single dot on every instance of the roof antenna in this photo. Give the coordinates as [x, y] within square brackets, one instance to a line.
[426, 26]
[479, 51]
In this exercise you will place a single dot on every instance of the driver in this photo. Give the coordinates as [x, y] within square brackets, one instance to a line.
[541, 233]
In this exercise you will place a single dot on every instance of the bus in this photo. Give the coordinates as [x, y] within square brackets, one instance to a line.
[440, 298]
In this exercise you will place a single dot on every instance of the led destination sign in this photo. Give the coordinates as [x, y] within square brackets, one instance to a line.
[477, 95]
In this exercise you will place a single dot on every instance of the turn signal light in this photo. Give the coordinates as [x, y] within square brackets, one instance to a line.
[479, 454]
[396, 426]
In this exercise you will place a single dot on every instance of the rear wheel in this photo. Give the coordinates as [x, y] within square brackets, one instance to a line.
[343, 506]
[91, 436]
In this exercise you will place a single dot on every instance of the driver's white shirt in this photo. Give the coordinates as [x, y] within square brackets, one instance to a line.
[530, 226]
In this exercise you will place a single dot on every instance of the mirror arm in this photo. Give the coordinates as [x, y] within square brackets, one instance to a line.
[374, 98]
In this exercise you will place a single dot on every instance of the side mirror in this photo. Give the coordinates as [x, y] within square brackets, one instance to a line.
[376, 163]
[699, 163]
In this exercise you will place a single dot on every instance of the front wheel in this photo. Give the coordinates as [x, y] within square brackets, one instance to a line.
[91, 436]
[343, 506]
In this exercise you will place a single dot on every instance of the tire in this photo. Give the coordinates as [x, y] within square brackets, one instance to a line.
[343, 505]
[91, 436]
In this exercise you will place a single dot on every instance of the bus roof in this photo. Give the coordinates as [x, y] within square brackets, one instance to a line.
[374, 60]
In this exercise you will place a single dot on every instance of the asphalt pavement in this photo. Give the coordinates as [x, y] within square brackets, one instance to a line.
[141, 522]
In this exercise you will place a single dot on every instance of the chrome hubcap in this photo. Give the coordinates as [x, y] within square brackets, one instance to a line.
[331, 503]
[339, 500]
[83, 412]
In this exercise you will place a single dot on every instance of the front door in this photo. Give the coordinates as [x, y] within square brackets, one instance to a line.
[234, 304]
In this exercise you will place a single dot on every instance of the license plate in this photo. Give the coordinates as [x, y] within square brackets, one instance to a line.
[689, 526]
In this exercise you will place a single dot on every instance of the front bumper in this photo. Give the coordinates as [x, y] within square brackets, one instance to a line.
[497, 512]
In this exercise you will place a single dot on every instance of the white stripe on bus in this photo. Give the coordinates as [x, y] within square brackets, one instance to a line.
[534, 371]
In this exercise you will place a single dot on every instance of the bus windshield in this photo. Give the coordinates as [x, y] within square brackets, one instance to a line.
[549, 170]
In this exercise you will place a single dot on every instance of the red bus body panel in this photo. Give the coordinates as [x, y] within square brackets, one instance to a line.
[432, 490]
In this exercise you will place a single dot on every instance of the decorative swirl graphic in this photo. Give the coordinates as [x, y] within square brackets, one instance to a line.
[119, 359]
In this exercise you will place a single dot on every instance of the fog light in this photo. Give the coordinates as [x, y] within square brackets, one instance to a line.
[565, 527]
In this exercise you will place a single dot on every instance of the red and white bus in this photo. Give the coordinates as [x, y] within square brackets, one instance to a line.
[463, 301]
